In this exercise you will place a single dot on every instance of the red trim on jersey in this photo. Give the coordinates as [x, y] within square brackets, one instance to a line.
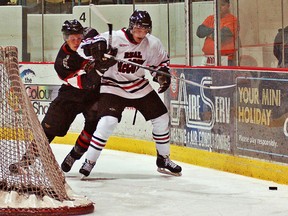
[70, 76]
[135, 84]
[84, 63]
[127, 37]
[79, 83]
[65, 49]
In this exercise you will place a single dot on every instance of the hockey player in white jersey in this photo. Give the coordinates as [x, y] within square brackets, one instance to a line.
[124, 85]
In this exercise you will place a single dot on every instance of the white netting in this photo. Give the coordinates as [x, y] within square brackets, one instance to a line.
[30, 176]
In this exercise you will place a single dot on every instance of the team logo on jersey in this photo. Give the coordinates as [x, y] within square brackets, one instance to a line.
[65, 61]
[132, 57]
[136, 54]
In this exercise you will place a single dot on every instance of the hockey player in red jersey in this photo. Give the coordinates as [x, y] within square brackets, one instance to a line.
[124, 85]
[77, 95]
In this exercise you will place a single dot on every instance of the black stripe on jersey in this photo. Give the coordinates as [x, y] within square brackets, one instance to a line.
[120, 82]
[164, 63]
[143, 86]
[133, 91]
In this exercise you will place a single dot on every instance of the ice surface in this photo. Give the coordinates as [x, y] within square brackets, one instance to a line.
[127, 184]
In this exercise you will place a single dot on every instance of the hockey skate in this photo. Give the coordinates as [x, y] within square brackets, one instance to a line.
[86, 168]
[75, 154]
[166, 166]
[67, 163]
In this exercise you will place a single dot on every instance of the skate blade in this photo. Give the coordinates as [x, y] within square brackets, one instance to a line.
[83, 177]
[167, 172]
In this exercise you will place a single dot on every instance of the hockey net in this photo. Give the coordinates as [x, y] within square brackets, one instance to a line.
[31, 181]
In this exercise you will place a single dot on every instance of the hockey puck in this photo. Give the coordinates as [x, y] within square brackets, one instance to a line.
[273, 188]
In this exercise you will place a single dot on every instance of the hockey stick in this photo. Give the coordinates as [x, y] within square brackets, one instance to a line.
[98, 13]
[110, 26]
[165, 74]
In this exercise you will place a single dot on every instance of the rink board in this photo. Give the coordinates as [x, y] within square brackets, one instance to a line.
[226, 129]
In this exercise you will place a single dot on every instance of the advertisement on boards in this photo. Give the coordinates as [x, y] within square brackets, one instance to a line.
[261, 125]
[42, 84]
[250, 118]
[201, 117]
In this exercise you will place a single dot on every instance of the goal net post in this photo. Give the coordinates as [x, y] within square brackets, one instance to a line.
[31, 181]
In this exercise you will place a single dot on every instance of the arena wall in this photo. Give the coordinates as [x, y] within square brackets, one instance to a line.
[242, 129]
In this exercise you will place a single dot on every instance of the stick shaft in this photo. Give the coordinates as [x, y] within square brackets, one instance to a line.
[110, 25]
[110, 28]
[166, 74]
[98, 13]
